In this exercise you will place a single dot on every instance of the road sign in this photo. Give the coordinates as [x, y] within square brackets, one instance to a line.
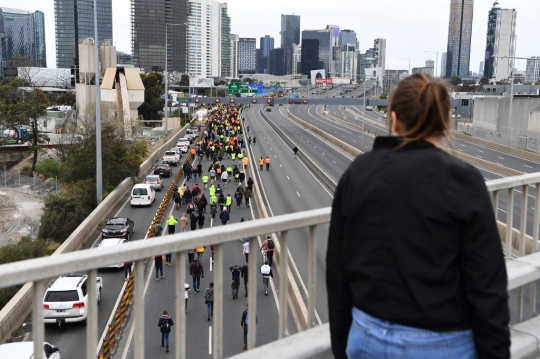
[184, 99]
[323, 81]
[185, 110]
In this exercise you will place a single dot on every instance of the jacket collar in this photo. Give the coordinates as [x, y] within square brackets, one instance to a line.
[391, 142]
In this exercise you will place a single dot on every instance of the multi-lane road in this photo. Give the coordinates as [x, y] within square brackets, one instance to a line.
[288, 187]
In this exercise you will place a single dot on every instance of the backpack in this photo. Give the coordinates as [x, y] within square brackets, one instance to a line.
[238, 195]
[196, 267]
[191, 206]
[165, 325]
[270, 244]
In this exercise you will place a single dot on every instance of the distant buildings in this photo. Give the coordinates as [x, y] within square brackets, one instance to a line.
[310, 56]
[23, 34]
[123, 58]
[233, 67]
[458, 51]
[266, 45]
[500, 41]
[74, 21]
[443, 64]
[481, 69]
[276, 62]
[290, 39]
[532, 71]
[247, 56]
[323, 41]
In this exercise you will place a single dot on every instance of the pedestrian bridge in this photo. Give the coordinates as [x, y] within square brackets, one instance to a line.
[523, 264]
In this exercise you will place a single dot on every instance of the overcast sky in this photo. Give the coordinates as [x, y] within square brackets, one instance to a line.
[409, 27]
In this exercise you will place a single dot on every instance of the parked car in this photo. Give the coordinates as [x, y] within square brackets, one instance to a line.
[171, 157]
[66, 299]
[142, 194]
[163, 169]
[112, 242]
[25, 350]
[118, 227]
[155, 181]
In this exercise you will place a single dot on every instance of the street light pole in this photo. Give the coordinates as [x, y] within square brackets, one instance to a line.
[167, 77]
[99, 173]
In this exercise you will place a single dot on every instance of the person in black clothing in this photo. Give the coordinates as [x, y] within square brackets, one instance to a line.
[193, 221]
[250, 184]
[200, 220]
[165, 323]
[244, 274]
[203, 203]
[423, 251]
[235, 284]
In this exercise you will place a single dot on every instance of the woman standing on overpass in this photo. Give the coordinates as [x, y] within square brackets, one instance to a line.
[424, 275]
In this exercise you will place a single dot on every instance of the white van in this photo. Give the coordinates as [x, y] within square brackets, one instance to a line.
[25, 350]
[142, 194]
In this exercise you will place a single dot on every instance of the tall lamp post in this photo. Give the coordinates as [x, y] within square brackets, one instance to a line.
[409, 65]
[511, 88]
[167, 77]
[436, 61]
[99, 173]
[364, 109]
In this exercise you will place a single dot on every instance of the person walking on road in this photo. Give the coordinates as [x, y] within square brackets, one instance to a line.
[209, 300]
[200, 220]
[158, 263]
[165, 323]
[261, 163]
[171, 224]
[250, 184]
[228, 202]
[197, 272]
[127, 270]
[268, 246]
[245, 249]
[224, 216]
[244, 323]
[183, 223]
[266, 272]
[193, 221]
[244, 274]
[235, 283]
[267, 162]
[238, 195]
[247, 196]
[245, 161]
[187, 294]
[200, 252]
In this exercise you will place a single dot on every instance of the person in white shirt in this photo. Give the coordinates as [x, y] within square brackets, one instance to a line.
[187, 293]
[266, 272]
[224, 177]
[246, 249]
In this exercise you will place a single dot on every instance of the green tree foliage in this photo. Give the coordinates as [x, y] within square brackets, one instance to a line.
[48, 168]
[153, 90]
[184, 80]
[122, 159]
[66, 99]
[484, 81]
[455, 81]
[63, 212]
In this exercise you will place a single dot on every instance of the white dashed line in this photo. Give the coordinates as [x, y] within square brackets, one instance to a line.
[280, 165]
[288, 178]
[298, 193]
[480, 151]
[334, 162]
[501, 158]
[271, 149]
[527, 166]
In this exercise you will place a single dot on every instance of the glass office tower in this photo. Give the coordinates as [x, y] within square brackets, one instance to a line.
[458, 52]
[74, 20]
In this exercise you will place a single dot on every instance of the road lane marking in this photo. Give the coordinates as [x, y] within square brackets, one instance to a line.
[288, 178]
[298, 193]
[271, 149]
[480, 151]
[527, 166]
[334, 161]
[210, 340]
[501, 158]
[479, 157]
[280, 165]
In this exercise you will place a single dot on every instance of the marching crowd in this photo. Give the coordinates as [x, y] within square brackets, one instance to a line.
[223, 141]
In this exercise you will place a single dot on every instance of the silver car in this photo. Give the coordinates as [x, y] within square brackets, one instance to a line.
[155, 181]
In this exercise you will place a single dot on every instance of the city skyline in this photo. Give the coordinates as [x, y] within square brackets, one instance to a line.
[432, 17]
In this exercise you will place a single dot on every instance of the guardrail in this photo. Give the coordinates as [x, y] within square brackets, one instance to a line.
[18, 308]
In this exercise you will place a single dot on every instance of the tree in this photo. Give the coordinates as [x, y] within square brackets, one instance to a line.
[48, 168]
[184, 80]
[455, 80]
[484, 81]
[66, 99]
[153, 103]
[503, 82]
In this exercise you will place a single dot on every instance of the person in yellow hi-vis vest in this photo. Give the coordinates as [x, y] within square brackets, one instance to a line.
[261, 163]
[245, 160]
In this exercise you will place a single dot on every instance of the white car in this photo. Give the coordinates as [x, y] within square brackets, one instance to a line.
[183, 148]
[66, 299]
[175, 149]
[369, 108]
[112, 242]
[142, 194]
[155, 180]
[189, 134]
[183, 141]
[25, 350]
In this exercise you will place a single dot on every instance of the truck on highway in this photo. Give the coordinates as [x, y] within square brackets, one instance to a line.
[171, 157]
[15, 136]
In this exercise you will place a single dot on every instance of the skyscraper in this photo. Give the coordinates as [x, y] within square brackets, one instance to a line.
[500, 41]
[481, 69]
[74, 20]
[458, 53]
[379, 54]
[532, 71]
[149, 19]
[290, 36]
[324, 38]
[266, 45]
[276, 61]
[310, 56]
[226, 51]
[247, 55]
[347, 37]
[22, 34]
[235, 38]
[443, 64]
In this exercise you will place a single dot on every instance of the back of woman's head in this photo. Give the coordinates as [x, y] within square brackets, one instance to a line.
[422, 107]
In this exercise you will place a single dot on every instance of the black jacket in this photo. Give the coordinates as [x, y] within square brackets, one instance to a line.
[164, 328]
[413, 240]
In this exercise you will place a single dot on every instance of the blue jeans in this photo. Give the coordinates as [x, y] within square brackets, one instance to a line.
[196, 282]
[210, 307]
[159, 268]
[165, 338]
[372, 338]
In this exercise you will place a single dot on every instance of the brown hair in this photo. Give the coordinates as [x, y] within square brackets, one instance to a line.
[422, 106]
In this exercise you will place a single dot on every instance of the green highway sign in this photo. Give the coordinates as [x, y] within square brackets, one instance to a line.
[183, 99]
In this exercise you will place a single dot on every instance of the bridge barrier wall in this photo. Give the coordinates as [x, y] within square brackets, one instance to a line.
[19, 307]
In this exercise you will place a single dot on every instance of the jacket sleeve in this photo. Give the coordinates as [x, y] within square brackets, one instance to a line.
[339, 293]
[484, 272]
[243, 318]
[160, 321]
[171, 321]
